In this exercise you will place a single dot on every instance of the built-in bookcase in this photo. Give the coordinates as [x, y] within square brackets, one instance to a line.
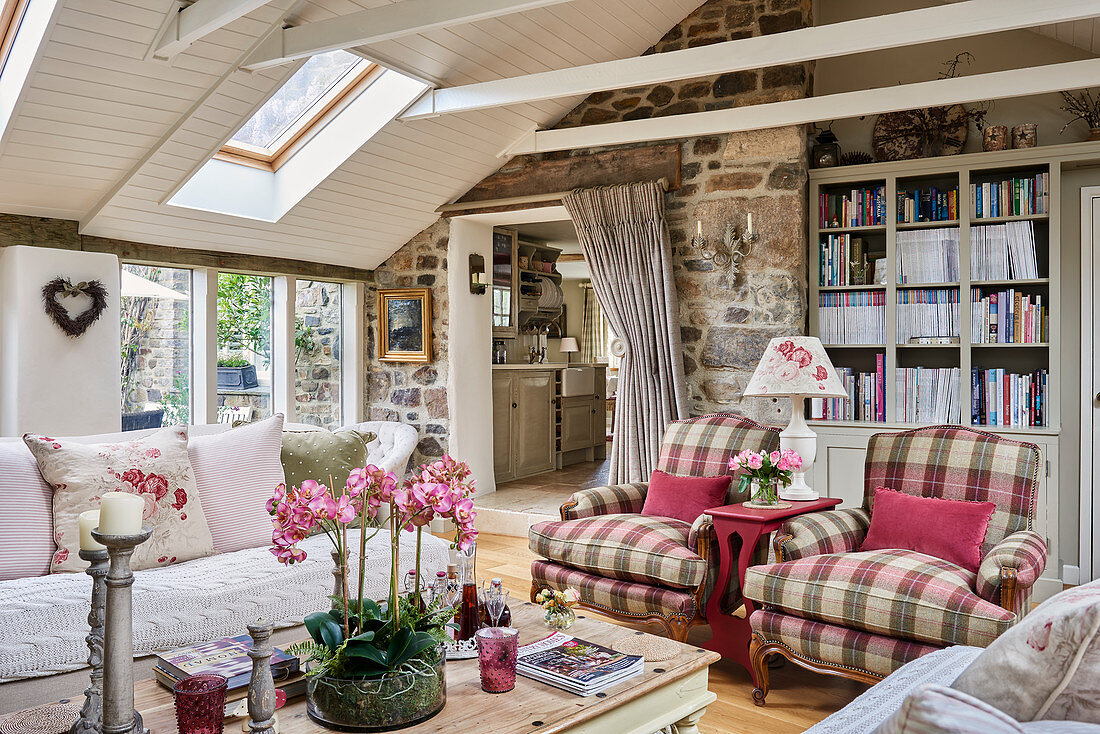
[910, 338]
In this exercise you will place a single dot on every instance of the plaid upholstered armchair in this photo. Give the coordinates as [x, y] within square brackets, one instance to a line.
[640, 567]
[832, 608]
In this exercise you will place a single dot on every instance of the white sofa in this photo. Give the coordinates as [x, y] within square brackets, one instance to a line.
[43, 619]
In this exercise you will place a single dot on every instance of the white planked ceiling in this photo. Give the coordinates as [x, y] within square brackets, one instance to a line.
[105, 137]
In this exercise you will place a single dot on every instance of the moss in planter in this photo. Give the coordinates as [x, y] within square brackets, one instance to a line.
[391, 702]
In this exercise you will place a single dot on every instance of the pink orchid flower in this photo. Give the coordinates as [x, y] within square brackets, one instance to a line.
[345, 510]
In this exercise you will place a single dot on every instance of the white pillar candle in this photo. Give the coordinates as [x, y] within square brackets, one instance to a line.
[750, 223]
[698, 226]
[89, 521]
[120, 513]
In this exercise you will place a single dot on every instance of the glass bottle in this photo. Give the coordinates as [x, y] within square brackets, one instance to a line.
[412, 592]
[483, 611]
[454, 586]
[439, 589]
[468, 622]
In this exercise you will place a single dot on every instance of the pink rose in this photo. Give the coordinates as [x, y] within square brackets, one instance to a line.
[784, 464]
[786, 348]
[150, 506]
[755, 461]
[802, 356]
[156, 485]
[181, 499]
[774, 456]
[821, 374]
[153, 453]
[793, 459]
[134, 477]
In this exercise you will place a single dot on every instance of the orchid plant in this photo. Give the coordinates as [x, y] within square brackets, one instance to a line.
[362, 637]
[769, 469]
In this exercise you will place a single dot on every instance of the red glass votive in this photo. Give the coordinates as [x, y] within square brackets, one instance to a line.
[497, 649]
[200, 704]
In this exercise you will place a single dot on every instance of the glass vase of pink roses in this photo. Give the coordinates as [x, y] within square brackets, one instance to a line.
[762, 474]
[374, 663]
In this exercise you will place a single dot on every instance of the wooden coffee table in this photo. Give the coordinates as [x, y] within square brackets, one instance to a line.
[670, 693]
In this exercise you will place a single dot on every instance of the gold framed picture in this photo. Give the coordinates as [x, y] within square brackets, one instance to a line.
[404, 325]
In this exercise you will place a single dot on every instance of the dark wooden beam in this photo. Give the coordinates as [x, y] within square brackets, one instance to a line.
[162, 255]
[63, 234]
[535, 175]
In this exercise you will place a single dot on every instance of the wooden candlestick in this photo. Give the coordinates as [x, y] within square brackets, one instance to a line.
[261, 686]
[91, 714]
[119, 715]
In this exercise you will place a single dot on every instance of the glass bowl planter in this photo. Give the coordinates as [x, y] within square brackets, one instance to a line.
[394, 701]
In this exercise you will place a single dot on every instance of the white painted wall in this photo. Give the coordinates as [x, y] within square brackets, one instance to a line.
[49, 382]
[996, 52]
[469, 346]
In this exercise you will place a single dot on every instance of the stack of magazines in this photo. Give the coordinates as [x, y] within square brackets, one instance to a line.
[228, 657]
[573, 665]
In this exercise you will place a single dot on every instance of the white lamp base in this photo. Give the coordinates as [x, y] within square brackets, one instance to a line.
[799, 437]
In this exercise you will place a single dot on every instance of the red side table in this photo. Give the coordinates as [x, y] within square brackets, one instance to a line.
[731, 635]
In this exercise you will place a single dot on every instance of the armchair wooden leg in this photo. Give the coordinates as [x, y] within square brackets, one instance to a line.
[759, 653]
[678, 627]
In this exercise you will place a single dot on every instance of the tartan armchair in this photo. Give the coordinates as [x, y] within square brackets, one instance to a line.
[829, 607]
[645, 568]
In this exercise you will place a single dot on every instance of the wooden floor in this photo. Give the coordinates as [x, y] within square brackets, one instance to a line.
[797, 700]
[544, 493]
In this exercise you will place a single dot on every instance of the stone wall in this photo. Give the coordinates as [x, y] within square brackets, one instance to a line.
[726, 321]
[317, 359]
[410, 392]
[160, 368]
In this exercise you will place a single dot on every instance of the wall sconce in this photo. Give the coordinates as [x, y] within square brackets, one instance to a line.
[478, 285]
[733, 248]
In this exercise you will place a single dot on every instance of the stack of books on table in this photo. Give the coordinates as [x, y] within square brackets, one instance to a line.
[229, 657]
[573, 665]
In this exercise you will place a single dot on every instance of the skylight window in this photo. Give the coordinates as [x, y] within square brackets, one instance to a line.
[315, 92]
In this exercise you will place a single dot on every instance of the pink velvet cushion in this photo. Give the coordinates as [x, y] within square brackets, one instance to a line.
[684, 498]
[951, 530]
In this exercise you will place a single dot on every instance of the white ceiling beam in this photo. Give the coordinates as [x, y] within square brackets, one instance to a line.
[956, 20]
[960, 90]
[383, 23]
[199, 19]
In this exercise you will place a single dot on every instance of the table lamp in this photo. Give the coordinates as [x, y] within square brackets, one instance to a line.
[568, 347]
[796, 367]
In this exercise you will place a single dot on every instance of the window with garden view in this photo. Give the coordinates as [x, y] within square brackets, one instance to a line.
[244, 347]
[156, 346]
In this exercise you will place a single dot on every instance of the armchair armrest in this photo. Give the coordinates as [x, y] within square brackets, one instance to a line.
[1011, 568]
[832, 531]
[619, 498]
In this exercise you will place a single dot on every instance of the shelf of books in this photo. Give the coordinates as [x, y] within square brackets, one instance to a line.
[930, 287]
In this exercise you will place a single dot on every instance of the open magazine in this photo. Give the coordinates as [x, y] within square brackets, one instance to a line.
[577, 666]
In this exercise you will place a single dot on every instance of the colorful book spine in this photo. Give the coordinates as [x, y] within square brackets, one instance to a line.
[864, 207]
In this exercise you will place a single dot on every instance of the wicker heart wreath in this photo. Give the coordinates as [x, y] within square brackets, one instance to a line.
[63, 287]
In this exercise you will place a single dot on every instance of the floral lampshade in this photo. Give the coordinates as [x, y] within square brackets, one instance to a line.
[795, 365]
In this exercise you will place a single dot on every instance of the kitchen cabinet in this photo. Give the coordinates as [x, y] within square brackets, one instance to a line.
[523, 423]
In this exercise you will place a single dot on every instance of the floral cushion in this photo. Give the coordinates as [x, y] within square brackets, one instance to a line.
[899, 593]
[1048, 666]
[156, 468]
[629, 547]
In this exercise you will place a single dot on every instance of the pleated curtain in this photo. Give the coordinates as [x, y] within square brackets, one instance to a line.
[624, 236]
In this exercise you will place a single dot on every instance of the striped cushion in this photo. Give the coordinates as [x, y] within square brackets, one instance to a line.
[933, 709]
[887, 592]
[828, 643]
[236, 472]
[627, 547]
[703, 447]
[958, 463]
[623, 597]
[26, 515]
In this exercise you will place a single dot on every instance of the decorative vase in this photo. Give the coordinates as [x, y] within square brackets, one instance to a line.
[994, 137]
[1025, 135]
[765, 492]
[394, 701]
[562, 620]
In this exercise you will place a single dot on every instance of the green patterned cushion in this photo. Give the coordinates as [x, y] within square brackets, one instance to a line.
[320, 455]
